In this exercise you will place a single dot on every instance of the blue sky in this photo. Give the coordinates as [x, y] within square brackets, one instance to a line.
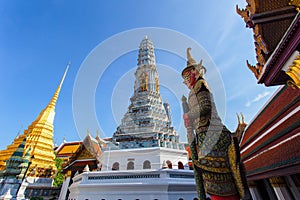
[38, 38]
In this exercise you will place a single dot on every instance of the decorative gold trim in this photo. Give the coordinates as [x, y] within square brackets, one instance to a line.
[256, 70]
[295, 3]
[294, 72]
[235, 169]
[247, 12]
[261, 43]
[251, 6]
[69, 173]
[144, 82]
[244, 13]
[222, 170]
[156, 84]
[218, 159]
[260, 48]
[252, 184]
[277, 181]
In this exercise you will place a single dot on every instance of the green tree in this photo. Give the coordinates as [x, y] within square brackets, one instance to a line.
[59, 177]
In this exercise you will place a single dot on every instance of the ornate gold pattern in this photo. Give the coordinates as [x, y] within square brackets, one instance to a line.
[156, 84]
[247, 12]
[226, 186]
[295, 3]
[252, 184]
[260, 48]
[212, 169]
[144, 82]
[255, 69]
[244, 13]
[260, 45]
[69, 173]
[277, 181]
[235, 168]
[294, 72]
[251, 6]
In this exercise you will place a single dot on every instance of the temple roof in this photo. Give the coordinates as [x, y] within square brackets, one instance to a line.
[67, 148]
[79, 165]
[274, 71]
[87, 152]
[275, 25]
[270, 144]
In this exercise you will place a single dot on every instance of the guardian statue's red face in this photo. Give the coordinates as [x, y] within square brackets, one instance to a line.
[189, 78]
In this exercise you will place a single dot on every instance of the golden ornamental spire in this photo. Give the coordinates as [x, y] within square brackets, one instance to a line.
[55, 96]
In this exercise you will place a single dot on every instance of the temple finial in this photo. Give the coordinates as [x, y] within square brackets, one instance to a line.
[146, 52]
[63, 78]
[55, 96]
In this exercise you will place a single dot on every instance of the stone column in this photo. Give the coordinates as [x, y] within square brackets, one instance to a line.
[21, 191]
[269, 189]
[293, 185]
[65, 186]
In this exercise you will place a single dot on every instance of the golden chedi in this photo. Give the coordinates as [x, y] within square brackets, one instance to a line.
[39, 140]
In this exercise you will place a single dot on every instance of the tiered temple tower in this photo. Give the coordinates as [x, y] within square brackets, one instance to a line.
[144, 159]
[145, 139]
[147, 122]
[39, 139]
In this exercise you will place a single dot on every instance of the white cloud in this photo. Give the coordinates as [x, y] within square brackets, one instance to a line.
[257, 98]
[260, 96]
[248, 104]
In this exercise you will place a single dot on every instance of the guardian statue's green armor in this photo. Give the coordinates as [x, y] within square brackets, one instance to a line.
[215, 152]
